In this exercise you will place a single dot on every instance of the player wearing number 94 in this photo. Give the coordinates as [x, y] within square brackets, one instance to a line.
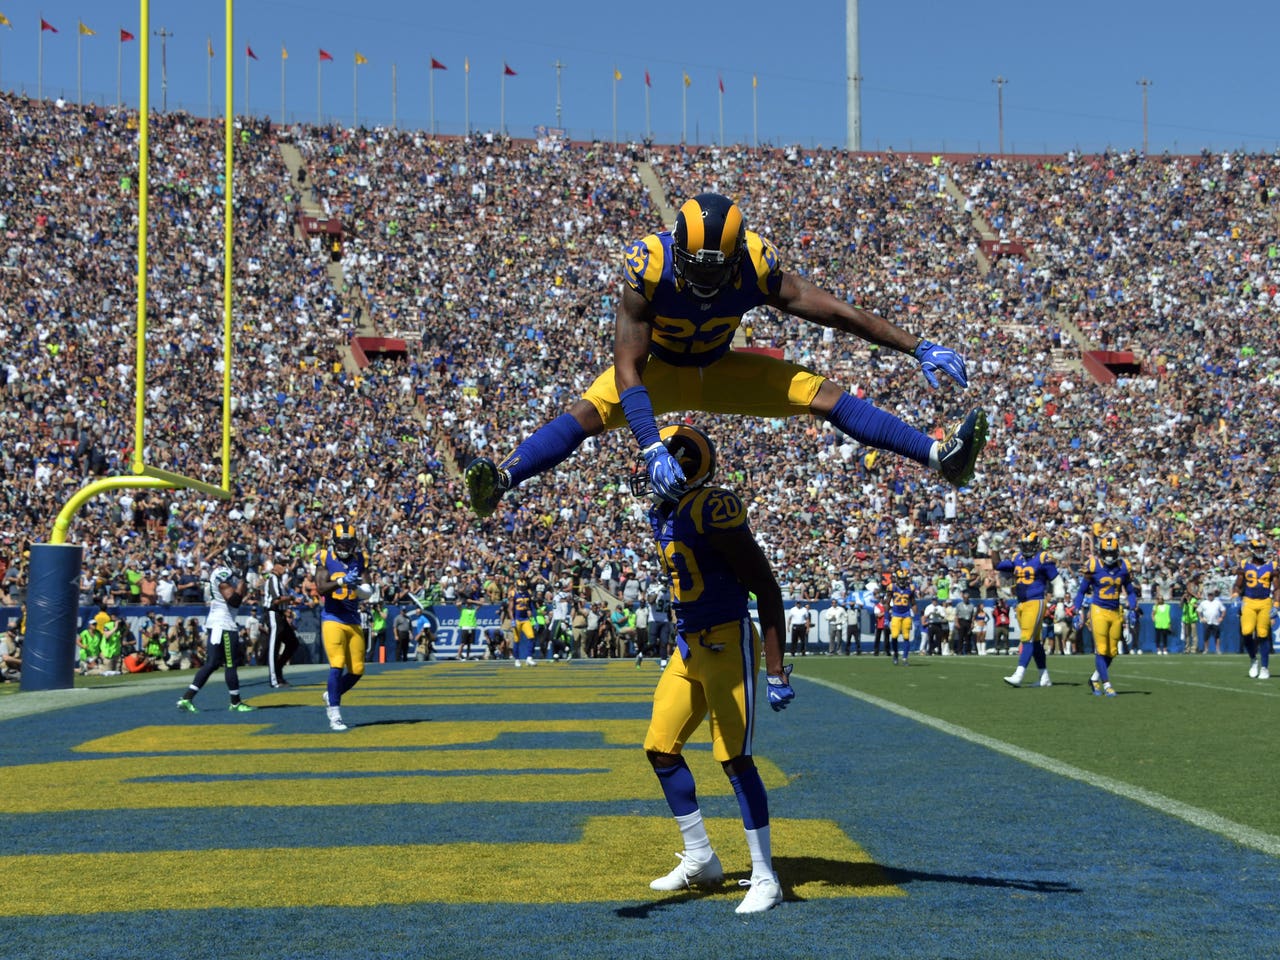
[340, 574]
[707, 548]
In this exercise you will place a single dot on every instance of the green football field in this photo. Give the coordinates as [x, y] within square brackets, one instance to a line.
[476, 810]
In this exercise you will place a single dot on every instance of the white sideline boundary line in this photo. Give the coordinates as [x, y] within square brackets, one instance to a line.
[1205, 819]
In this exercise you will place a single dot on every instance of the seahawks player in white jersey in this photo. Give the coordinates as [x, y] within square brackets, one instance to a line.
[227, 591]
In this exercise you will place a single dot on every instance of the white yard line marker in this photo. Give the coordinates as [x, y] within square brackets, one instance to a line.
[1205, 819]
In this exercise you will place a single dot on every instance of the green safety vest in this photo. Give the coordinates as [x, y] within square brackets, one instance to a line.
[467, 618]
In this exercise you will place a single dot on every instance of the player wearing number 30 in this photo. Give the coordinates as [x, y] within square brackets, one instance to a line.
[684, 295]
[1105, 576]
[340, 574]
[1032, 571]
[706, 547]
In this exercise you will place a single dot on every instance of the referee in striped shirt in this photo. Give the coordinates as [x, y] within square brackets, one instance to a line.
[282, 640]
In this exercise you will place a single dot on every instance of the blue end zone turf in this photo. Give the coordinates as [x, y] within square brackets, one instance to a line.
[477, 811]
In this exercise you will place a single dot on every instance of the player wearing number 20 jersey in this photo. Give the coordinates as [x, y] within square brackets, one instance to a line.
[706, 547]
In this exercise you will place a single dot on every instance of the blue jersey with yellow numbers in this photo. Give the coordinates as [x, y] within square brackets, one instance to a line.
[705, 592]
[1257, 578]
[902, 602]
[1032, 574]
[688, 332]
[521, 605]
[342, 606]
[1105, 583]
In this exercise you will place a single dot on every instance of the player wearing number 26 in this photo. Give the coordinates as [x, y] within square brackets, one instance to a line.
[707, 549]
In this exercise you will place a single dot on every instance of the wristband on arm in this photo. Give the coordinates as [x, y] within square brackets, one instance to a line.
[639, 412]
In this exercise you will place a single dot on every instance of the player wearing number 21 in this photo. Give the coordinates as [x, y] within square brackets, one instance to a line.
[707, 548]
[340, 574]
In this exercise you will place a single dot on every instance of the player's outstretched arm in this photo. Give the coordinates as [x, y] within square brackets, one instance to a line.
[804, 299]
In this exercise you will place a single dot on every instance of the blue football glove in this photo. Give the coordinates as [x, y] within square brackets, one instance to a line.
[1077, 622]
[1133, 619]
[666, 478]
[352, 577]
[779, 689]
[934, 358]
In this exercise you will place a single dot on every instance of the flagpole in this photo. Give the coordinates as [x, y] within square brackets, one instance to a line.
[502, 101]
[283, 60]
[721, 97]
[40, 61]
[393, 96]
[79, 64]
[355, 93]
[755, 117]
[431, 95]
[119, 64]
[615, 104]
[648, 132]
[246, 83]
[319, 105]
[684, 110]
[208, 81]
[466, 95]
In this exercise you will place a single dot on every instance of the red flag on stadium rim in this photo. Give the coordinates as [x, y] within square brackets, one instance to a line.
[647, 82]
[507, 71]
[437, 65]
[125, 35]
[46, 25]
[248, 50]
[722, 84]
[325, 55]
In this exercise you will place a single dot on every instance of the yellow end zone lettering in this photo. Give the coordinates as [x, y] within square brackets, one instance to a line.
[613, 861]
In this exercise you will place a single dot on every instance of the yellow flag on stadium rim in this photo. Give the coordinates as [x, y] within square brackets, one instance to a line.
[284, 52]
[361, 58]
[4, 21]
[85, 31]
[687, 81]
[617, 74]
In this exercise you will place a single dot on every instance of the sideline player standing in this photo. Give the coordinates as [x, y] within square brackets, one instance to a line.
[706, 546]
[1032, 570]
[222, 633]
[684, 295]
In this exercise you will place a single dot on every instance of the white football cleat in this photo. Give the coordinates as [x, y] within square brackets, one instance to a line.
[689, 872]
[1264, 673]
[1013, 681]
[1045, 681]
[765, 894]
[529, 661]
[335, 720]
[325, 697]
[1253, 668]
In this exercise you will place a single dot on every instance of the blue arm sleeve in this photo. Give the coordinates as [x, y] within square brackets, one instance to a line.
[639, 412]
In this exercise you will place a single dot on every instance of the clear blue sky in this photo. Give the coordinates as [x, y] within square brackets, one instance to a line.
[1072, 69]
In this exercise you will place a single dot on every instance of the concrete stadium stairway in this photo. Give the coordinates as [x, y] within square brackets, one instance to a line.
[1063, 361]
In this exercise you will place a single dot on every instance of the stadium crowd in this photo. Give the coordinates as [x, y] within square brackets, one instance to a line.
[497, 261]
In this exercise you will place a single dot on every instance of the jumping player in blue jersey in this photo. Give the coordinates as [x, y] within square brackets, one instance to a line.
[684, 295]
[706, 547]
[1033, 571]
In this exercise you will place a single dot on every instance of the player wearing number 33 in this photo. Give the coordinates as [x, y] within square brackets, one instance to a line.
[684, 295]
[340, 574]
[706, 547]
